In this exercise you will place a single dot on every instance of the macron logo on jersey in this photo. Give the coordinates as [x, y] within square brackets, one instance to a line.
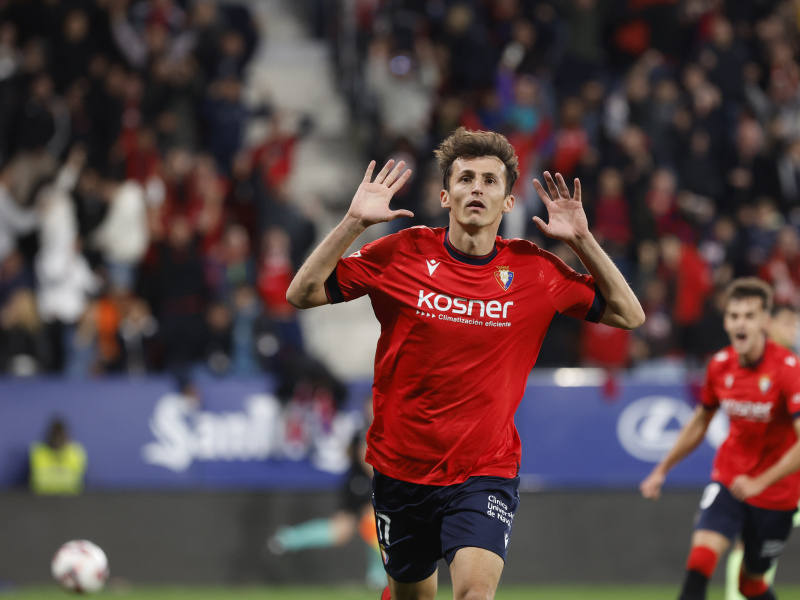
[462, 306]
[432, 266]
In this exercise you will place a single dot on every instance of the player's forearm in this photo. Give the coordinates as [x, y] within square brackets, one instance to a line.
[311, 277]
[688, 440]
[622, 307]
[788, 464]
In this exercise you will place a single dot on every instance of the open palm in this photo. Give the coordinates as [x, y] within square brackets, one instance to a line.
[370, 204]
[566, 217]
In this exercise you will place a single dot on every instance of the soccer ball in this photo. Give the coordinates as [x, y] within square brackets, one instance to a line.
[80, 566]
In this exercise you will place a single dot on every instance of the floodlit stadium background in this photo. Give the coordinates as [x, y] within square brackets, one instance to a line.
[168, 164]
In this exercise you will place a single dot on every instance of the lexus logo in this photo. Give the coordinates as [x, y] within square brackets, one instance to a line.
[648, 428]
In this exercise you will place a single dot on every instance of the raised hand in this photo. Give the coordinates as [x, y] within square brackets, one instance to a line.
[566, 217]
[370, 204]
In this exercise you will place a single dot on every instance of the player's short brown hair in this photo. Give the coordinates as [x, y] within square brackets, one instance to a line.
[750, 287]
[464, 143]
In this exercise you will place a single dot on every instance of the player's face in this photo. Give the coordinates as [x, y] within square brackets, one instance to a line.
[783, 328]
[746, 322]
[477, 196]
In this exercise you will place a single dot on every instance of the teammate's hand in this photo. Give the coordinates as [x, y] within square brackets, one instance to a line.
[370, 205]
[743, 487]
[651, 486]
[567, 219]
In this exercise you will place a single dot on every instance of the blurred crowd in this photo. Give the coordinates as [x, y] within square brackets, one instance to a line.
[138, 231]
[680, 117]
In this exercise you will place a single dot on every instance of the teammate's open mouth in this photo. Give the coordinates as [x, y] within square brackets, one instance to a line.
[476, 204]
[741, 336]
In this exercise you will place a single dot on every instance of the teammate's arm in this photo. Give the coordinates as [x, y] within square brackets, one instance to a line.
[568, 223]
[370, 205]
[743, 487]
[688, 439]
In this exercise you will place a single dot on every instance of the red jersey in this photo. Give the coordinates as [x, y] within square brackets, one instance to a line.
[761, 402]
[459, 335]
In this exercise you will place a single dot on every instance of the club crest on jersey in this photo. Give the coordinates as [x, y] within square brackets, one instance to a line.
[764, 383]
[729, 380]
[504, 277]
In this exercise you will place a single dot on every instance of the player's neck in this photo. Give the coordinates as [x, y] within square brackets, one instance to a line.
[752, 358]
[477, 242]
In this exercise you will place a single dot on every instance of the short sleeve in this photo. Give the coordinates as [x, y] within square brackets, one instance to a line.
[358, 274]
[707, 396]
[794, 405]
[572, 293]
[791, 385]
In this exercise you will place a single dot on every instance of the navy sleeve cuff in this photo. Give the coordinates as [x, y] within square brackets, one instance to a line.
[332, 289]
[597, 308]
[796, 415]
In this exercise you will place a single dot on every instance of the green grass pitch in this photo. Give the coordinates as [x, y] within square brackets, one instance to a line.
[506, 592]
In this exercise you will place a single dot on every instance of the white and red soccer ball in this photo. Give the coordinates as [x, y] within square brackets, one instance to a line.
[80, 566]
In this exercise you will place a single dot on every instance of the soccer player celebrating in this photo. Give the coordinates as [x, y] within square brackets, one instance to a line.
[755, 484]
[463, 313]
[783, 330]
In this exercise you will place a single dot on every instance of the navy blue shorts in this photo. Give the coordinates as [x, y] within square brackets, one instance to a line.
[763, 532]
[419, 524]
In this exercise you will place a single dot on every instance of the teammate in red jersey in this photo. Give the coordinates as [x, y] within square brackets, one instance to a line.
[783, 330]
[463, 314]
[756, 474]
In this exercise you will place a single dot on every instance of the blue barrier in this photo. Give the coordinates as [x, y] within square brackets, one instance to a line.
[575, 437]
[139, 434]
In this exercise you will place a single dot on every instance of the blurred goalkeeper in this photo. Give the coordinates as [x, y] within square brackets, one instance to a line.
[356, 515]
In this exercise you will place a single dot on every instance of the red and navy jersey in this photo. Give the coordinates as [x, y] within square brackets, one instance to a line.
[761, 402]
[459, 335]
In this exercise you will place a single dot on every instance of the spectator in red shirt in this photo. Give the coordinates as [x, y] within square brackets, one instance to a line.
[572, 141]
[612, 219]
[141, 155]
[604, 346]
[275, 274]
[692, 285]
[782, 270]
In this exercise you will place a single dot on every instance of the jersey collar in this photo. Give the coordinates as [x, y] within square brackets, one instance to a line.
[753, 366]
[467, 259]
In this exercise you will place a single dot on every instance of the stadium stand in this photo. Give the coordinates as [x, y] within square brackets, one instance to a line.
[141, 230]
[680, 118]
